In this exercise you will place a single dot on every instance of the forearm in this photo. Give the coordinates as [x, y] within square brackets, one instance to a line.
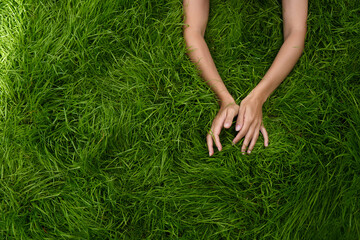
[199, 54]
[284, 62]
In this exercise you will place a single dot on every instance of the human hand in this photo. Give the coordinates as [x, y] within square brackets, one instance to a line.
[249, 123]
[224, 119]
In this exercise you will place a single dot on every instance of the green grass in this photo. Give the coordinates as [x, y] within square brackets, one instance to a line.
[104, 118]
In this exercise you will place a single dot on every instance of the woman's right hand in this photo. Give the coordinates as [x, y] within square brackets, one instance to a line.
[224, 118]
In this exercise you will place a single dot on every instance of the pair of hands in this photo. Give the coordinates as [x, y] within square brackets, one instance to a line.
[248, 124]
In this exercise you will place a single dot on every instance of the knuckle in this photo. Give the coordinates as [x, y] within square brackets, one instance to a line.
[248, 120]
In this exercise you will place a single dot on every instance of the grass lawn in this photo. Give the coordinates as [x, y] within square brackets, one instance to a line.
[103, 120]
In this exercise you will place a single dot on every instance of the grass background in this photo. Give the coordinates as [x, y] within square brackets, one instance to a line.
[104, 118]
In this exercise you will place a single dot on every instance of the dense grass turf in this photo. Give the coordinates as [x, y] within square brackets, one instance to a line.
[104, 118]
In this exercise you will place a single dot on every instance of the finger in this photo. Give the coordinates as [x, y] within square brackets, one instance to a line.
[265, 135]
[247, 139]
[242, 132]
[254, 140]
[217, 130]
[240, 119]
[217, 141]
[210, 144]
[238, 137]
[229, 118]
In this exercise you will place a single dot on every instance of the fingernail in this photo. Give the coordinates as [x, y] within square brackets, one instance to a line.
[266, 145]
[227, 125]
[248, 151]
[243, 153]
[233, 143]
[237, 128]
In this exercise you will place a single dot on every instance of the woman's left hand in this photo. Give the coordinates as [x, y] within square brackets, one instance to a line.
[249, 123]
[224, 119]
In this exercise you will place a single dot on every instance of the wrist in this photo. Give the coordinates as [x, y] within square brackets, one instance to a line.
[259, 94]
[226, 100]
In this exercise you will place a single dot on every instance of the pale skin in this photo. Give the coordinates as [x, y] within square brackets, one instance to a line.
[249, 121]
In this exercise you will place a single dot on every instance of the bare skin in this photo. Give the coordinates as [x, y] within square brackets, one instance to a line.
[249, 122]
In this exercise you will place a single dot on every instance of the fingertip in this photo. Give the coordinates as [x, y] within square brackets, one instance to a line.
[218, 143]
[265, 135]
[210, 145]
[227, 125]
[237, 139]
[266, 141]
[243, 150]
[211, 150]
